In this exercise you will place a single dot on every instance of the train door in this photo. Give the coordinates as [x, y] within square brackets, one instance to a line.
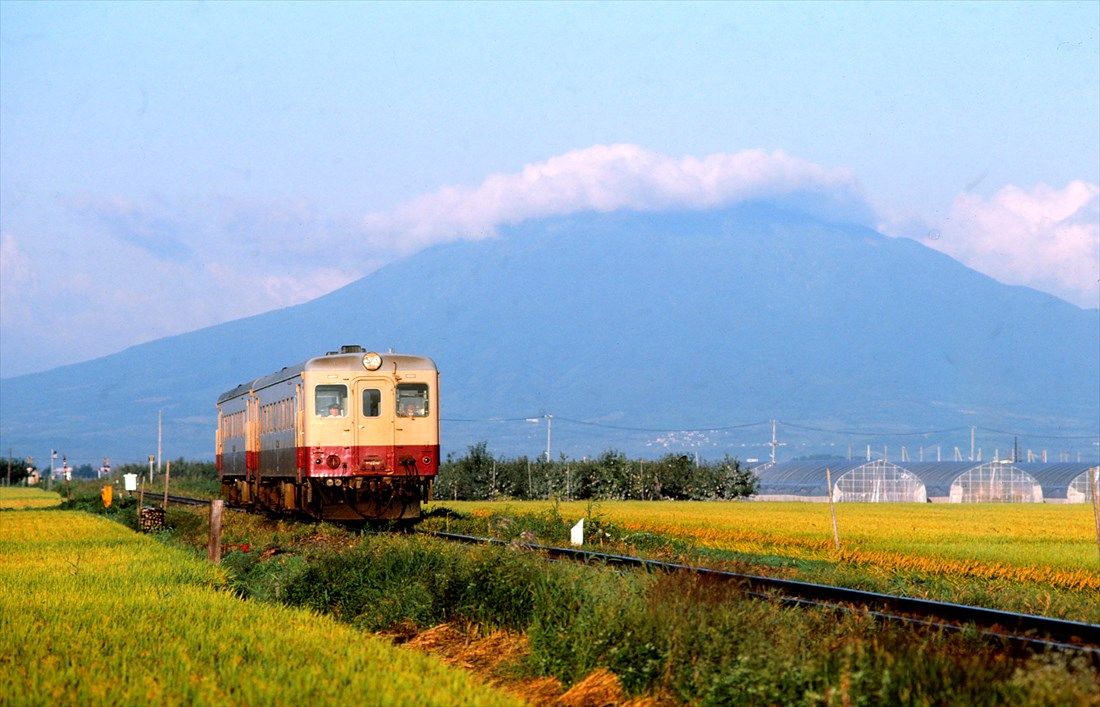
[374, 432]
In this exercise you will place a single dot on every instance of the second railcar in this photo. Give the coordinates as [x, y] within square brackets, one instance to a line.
[351, 435]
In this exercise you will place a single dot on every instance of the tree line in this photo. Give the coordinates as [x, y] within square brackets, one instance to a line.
[479, 475]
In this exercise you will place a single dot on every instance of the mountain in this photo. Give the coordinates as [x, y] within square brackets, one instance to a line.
[624, 324]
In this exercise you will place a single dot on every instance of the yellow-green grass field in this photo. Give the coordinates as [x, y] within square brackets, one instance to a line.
[1049, 543]
[93, 613]
[22, 497]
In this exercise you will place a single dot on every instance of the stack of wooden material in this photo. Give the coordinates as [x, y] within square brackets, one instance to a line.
[150, 519]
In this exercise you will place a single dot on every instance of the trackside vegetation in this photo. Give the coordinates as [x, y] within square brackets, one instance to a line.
[93, 613]
[668, 637]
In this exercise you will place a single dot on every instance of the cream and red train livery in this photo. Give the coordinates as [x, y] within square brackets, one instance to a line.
[351, 435]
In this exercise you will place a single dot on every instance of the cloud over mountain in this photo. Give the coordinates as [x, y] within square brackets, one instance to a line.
[606, 178]
[1044, 237]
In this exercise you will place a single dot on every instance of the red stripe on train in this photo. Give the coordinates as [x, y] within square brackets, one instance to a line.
[371, 460]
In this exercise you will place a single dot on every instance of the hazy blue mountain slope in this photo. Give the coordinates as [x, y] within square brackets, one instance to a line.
[687, 319]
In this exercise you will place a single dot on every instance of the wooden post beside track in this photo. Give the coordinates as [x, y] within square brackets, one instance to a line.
[167, 474]
[1094, 478]
[214, 547]
[832, 506]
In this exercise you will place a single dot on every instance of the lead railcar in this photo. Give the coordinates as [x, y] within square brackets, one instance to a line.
[351, 435]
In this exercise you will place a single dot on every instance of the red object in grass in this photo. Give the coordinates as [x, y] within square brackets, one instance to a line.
[246, 547]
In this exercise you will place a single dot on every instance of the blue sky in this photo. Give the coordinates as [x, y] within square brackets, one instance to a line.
[169, 166]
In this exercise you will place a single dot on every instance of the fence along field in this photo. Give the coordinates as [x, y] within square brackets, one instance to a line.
[1052, 544]
[96, 614]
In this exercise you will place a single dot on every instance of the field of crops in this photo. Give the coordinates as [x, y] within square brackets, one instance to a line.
[1047, 543]
[96, 614]
[18, 498]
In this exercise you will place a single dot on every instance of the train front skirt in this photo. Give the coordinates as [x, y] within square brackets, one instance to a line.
[350, 499]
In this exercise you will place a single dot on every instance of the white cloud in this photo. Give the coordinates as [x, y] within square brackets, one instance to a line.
[15, 266]
[1045, 238]
[608, 178]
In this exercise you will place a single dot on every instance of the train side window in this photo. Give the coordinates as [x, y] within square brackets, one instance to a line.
[330, 400]
[372, 402]
[412, 400]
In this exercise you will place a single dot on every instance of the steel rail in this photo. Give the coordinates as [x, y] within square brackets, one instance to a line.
[1035, 631]
[185, 500]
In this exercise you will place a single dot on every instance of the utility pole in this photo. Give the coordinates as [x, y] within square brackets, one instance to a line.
[160, 439]
[549, 424]
[972, 429]
[775, 441]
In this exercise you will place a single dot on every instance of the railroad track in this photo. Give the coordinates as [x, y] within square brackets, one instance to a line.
[1018, 630]
[1026, 631]
[184, 500]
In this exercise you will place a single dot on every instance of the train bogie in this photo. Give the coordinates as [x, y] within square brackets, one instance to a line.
[351, 435]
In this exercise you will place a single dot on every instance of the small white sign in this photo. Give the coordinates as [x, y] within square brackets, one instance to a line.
[130, 481]
[576, 535]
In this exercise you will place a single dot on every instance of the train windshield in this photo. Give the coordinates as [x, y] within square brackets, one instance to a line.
[412, 400]
[372, 402]
[331, 400]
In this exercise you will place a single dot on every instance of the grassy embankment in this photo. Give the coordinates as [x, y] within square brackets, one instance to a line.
[93, 613]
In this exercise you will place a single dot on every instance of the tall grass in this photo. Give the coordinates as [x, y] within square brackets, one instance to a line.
[670, 634]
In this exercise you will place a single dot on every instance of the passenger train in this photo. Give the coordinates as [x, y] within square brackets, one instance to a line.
[349, 436]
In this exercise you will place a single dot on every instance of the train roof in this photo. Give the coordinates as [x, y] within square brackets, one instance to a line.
[349, 358]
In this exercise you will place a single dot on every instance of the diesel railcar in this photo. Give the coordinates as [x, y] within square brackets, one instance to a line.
[349, 436]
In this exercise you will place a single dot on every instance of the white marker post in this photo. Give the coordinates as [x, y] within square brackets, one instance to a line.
[576, 534]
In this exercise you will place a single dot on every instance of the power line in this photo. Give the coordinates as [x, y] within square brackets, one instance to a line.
[1043, 437]
[647, 429]
[873, 433]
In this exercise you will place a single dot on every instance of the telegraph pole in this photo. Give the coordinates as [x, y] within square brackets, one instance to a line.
[775, 441]
[160, 440]
[972, 428]
[549, 424]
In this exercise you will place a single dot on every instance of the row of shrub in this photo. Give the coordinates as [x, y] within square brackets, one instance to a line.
[480, 475]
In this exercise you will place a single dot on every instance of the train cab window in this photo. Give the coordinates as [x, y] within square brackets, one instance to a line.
[372, 402]
[412, 400]
[331, 400]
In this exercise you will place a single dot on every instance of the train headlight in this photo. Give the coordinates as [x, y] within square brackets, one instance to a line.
[372, 361]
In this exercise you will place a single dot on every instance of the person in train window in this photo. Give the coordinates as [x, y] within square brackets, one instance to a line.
[334, 410]
[409, 411]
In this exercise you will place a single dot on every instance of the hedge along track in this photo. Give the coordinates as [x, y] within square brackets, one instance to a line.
[1016, 631]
